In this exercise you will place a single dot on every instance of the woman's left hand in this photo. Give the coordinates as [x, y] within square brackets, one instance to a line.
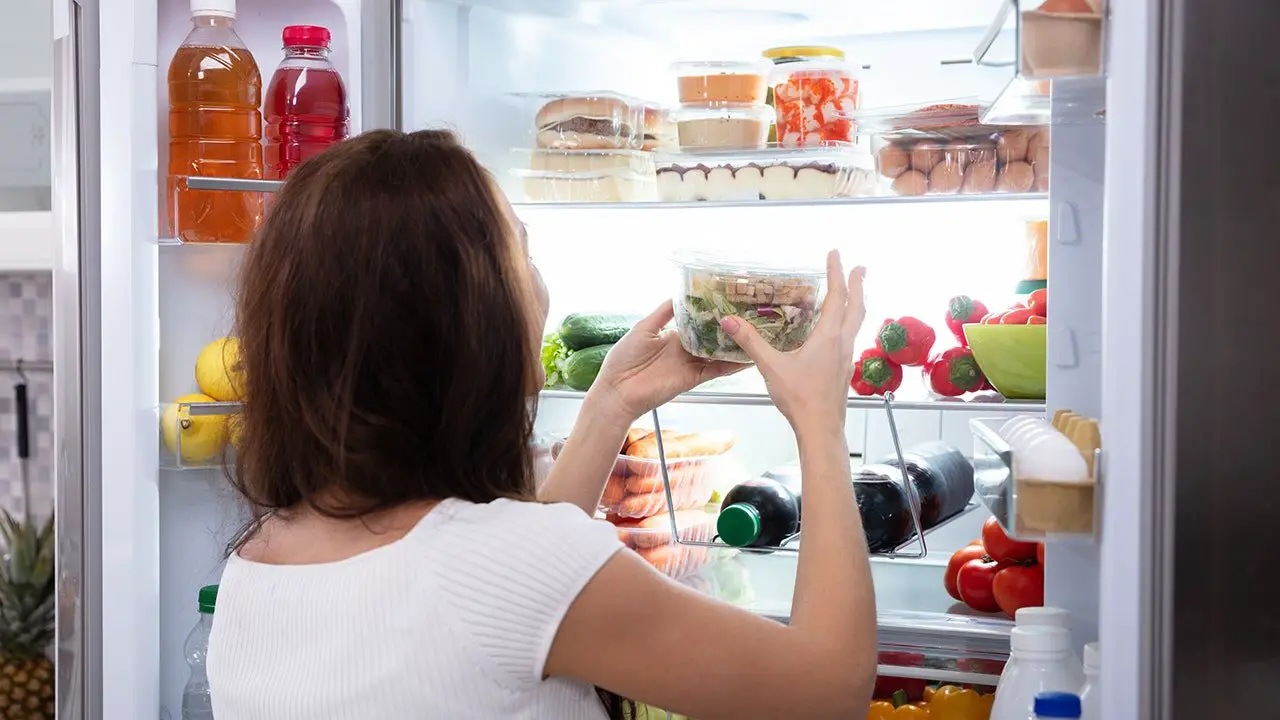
[649, 367]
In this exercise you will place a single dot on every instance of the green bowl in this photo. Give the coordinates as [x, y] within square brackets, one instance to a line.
[1012, 357]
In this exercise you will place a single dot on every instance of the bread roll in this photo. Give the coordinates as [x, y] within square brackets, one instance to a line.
[681, 445]
[589, 123]
[924, 155]
[1011, 146]
[1016, 177]
[894, 160]
[980, 177]
[911, 182]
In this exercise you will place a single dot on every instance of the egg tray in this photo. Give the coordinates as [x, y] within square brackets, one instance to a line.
[1027, 509]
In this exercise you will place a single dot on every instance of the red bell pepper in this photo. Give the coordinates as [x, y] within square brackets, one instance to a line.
[906, 341]
[875, 373]
[963, 309]
[954, 372]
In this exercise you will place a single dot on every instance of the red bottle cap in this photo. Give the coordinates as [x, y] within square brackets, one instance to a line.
[305, 36]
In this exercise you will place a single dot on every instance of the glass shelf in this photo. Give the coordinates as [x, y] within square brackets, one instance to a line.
[979, 403]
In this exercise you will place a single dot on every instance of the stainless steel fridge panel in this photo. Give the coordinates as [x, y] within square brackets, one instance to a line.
[77, 343]
[380, 78]
[1220, 344]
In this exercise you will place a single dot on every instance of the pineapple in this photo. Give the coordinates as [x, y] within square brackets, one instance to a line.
[26, 619]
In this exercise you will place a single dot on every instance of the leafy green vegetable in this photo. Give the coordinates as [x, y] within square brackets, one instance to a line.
[554, 355]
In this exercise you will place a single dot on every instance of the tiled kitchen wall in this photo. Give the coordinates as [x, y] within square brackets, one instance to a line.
[26, 331]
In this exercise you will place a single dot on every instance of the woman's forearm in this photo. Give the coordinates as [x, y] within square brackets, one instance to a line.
[834, 597]
[584, 464]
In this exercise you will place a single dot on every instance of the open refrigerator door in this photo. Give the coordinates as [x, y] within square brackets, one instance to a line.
[625, 133]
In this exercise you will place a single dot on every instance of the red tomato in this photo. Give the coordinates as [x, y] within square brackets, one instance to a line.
[1016, 316]
[1040, 553]
[974, 582]
[992, 318]
[1038, 301]
[960, 557]
[1003, 548]
[1018, 586]
[1035, 320]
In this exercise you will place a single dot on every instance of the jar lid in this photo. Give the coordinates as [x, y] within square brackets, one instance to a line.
[803, 51]
[208, 598]
[1057, 705]
[739, 525]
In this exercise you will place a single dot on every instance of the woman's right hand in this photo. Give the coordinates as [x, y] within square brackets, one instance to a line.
[810, 386]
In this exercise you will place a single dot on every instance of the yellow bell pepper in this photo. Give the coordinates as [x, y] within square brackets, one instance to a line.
[897, 709]
[950, 702]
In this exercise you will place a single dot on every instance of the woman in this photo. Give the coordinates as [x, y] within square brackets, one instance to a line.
[401, 565]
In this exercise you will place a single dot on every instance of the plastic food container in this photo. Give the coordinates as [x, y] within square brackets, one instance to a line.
[815, 93]
[659, 128]
[944, 149]
[782, 304]
[711, 81]
[774, 173]
[588, 121]
[723, 126]
[653, 540]
[635, 488]
[584, 176]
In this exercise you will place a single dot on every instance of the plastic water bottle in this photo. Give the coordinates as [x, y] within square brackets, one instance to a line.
[1057, 706]
[196, 702]
[1042, 663]
[1091, 693]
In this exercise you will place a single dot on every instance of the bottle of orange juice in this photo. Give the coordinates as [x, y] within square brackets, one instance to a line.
[215, 128]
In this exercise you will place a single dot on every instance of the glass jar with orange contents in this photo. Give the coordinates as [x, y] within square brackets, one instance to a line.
[815, 90]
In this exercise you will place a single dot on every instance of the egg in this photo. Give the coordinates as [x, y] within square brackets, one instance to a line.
[1013, 424]
[894, 160]
[911, 182]
[1051, 457]
[1015, 177]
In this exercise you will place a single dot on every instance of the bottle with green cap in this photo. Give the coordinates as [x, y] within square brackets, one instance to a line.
[758, 513]
[196, 702]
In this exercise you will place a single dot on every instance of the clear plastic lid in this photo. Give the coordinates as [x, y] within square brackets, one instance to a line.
[581, 164]
[947, 119]
[692, 68]
[834, 153]
[727, 110]
[764, 264]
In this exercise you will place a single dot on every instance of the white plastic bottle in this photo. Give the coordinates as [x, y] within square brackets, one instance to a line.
[196, 702]
[1041, 617]
[1041, 661]
[1091, 693]
[1057, 706]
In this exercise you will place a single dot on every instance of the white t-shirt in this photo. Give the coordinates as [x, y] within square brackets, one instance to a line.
[452, 621]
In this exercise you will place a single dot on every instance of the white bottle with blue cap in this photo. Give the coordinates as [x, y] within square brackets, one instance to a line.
[1057, 706]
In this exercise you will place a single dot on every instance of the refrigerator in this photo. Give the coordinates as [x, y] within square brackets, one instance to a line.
[1152, 239]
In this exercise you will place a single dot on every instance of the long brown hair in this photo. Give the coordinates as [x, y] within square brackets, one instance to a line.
[384, 335]
[385, 341]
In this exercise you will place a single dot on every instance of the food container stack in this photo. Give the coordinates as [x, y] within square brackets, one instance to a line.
[944, 149]
[635, 499]
[590, 147]
[815, 92]
[722, 105]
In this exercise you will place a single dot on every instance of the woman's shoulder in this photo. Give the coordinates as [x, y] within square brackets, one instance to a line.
[535, 522]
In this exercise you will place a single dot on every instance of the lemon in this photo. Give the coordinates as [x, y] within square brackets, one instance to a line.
[202, 437]
[217, 373]
[235, 430]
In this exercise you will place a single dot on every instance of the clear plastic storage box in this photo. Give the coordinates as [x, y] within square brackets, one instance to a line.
[774, 173]
[815, 91]
[782, 304]
[652, 538]
[713, 81]
[944, 149]
[723, 126]
[583, 176]
[593, 120]
[635, 487]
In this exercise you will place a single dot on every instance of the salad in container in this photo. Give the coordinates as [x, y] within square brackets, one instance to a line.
[781, 304]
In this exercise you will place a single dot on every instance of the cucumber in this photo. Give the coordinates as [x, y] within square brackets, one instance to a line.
[579, 332]
[581, 368]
